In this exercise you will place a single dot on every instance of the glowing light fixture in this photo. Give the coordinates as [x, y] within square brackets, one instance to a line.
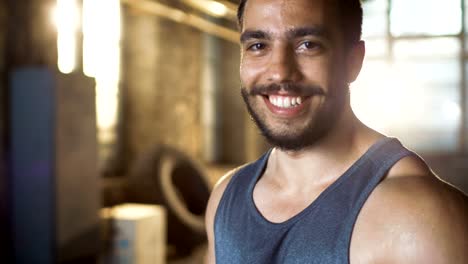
[101, 60]
[212, 7]
[133, 211]
[216, 8]
[66, 18]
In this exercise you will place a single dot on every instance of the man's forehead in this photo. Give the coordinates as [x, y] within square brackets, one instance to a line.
[286, 14]
[291, 33]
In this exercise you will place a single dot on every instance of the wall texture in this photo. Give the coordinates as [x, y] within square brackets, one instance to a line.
[232, 106]
[160, 84]
[161, 89]
[31, 33]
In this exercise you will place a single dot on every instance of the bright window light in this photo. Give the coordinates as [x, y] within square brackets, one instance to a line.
[66, 18]
[433, 17]
[416, 101]
[410, 87]
[380, 96]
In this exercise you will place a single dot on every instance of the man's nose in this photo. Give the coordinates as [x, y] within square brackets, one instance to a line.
[283, 67]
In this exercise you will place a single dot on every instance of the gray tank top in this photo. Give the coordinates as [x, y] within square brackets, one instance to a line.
[321, 233]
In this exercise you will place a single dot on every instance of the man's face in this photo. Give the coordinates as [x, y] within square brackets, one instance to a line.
[292, 69]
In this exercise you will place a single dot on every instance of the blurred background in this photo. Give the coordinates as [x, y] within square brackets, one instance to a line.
[118, 116]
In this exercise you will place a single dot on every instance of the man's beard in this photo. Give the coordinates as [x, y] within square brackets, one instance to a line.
[315, 130]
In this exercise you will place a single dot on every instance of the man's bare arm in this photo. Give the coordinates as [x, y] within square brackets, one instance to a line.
[412, 217]
[428, 222]
[213, 202]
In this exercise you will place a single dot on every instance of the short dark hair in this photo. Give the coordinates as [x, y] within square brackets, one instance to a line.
[349, 11]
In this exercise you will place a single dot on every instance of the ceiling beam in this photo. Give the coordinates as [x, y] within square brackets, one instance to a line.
[179, 16]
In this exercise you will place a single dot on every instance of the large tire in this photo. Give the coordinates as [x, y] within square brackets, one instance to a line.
[168, 177]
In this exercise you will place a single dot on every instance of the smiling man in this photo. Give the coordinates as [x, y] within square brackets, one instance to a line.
[331, 190]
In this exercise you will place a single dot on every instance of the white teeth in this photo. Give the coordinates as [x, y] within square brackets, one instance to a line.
[280, 102]
[285, 101]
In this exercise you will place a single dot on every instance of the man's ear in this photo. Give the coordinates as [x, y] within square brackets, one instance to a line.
[354, 61]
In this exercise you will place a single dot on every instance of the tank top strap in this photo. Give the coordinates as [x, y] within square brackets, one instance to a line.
[356, 190]
[386, 154]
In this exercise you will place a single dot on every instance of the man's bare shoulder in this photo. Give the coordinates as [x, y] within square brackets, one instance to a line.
[220, 186]
[411, 178]
[418, 217]
[215, 197]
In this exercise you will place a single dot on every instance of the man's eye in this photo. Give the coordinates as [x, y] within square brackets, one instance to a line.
[310, 45]
[256, 47]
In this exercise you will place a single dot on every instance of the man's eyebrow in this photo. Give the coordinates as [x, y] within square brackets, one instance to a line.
[254, 34]
[317, 31]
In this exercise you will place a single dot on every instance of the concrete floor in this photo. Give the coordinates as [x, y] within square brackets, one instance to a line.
[197, 257]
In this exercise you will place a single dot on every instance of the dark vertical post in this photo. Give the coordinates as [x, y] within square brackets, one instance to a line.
[32, 164]
[5, 235]
[53, 178]
[30, 42]
[463, 85]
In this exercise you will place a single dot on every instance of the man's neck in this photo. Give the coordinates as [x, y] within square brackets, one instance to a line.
[325, 161]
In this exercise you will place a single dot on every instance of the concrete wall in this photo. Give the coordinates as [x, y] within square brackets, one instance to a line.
[31, 33]
[232, 107]
[161, 88]
[161, 80]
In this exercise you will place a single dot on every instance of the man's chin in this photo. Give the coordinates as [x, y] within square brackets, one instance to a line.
[287, 143]
[288, 136]
[293, 138]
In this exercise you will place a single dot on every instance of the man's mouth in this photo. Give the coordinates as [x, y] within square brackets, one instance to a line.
[286, 105]
[284, 101]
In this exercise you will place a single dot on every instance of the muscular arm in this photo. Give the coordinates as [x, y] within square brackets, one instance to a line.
[412, 217]
[431, 224]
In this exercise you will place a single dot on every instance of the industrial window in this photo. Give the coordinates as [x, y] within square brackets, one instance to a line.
[412, 84]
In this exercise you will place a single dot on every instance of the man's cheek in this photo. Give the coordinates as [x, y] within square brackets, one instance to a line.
[317, 73]
[249, 73]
